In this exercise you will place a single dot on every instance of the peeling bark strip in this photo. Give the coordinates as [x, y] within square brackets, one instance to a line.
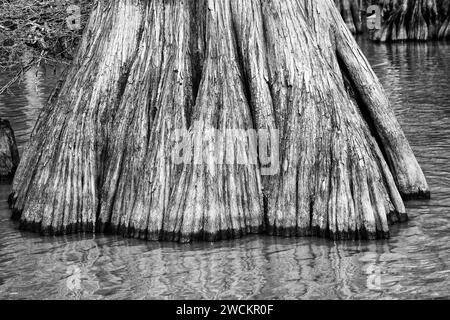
[9, 155]
[101, 157]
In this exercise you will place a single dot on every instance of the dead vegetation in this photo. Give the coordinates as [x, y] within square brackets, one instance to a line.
[36, 31]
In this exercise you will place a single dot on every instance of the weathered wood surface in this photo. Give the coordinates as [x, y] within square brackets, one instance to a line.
[101, 155]
[9, 154]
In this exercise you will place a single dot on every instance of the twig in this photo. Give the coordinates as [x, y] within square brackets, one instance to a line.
[33, 62]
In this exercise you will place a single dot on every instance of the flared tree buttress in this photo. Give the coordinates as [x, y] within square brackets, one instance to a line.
[101, 156]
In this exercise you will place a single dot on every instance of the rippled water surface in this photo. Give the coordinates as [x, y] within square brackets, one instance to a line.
[414, 263]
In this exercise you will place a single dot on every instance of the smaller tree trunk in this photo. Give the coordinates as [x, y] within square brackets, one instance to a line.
[9, 155]
[410, 20]
[350, 12]
[444, 29]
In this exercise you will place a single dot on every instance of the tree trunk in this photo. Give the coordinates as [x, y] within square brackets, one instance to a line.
[418, 20]
[103, 154]
[444, 10]
[9, 154]
[350, 12]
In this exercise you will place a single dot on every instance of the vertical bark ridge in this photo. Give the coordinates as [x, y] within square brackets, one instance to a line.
[252, 47]
[219, 197]
[326, 141]
[142, 172]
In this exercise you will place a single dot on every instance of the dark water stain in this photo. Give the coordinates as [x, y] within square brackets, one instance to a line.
[414, 263]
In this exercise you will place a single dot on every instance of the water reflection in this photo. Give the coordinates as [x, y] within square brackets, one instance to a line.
[23, 101]
[258, 267]
[414, 263]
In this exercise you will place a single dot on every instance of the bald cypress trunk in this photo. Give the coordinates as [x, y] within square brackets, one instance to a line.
[104, 155]
[9, 154]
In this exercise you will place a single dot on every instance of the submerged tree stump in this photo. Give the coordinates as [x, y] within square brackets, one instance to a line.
[9, 154]
[102, 156]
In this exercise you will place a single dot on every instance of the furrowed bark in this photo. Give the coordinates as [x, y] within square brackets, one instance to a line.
[156, 97]
[58, 179]
[332, 181]
[209, 76]
[220, 196]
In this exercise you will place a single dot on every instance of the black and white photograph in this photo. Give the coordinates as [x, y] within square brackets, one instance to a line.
[257, 151]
